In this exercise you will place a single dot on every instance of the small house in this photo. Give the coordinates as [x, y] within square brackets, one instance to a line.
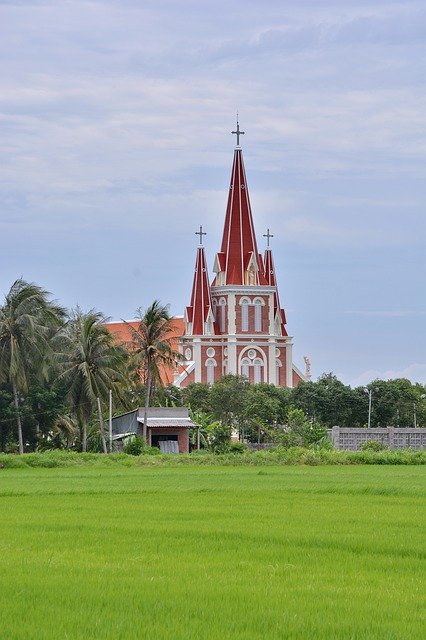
[167, 428]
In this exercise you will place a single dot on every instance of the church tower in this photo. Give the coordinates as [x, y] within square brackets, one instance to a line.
[235, 324]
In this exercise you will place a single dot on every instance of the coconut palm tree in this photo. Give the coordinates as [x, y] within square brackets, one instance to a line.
[28, 320]
[91, 364]
[152, 349]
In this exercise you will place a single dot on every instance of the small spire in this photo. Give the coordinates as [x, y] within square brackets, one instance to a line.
[238, 133]
[201, 233]
[268, 236]
[201, 306]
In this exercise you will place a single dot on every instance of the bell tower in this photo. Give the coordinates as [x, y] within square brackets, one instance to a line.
[236, 325]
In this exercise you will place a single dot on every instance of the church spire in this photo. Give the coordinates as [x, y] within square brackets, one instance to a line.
[238, 261]
[271, 281]
[200, 312]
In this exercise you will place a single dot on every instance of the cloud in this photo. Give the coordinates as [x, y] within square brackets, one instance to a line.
[415, 372]
[116, 120]
[396, 313]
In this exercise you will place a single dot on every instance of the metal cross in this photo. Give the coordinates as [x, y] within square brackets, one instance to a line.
[268, 235]
[238, 133]
[201, 233]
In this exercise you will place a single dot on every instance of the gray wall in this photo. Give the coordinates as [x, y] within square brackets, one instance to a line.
[393, 437]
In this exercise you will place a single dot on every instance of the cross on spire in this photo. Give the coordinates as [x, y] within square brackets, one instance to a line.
[201, 233]
[238, 133]
[268, 235]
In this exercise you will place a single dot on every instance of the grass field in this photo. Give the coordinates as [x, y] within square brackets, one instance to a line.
[208, 552]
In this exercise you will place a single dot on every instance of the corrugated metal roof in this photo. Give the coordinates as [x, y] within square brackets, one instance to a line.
[184, 423]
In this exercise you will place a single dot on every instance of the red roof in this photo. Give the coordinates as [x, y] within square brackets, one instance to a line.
[121, 332]
[239, 238]
[271, 281]
[201, 302]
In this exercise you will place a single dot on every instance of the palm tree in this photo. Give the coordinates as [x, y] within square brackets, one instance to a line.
[28, 320]
[91, 364]
[152, 348]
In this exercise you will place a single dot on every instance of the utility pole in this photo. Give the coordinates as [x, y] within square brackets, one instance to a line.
[101, 426]
[110, 420]
[370, 393]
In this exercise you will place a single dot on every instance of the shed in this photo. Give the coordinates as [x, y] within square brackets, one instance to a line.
[167, 427]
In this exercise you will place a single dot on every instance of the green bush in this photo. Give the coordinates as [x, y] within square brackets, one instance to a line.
[374, 445]
[151, 451]
[134, 446]
[237, 447]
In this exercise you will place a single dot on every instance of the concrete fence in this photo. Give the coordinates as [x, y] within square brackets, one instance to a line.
[393, 437]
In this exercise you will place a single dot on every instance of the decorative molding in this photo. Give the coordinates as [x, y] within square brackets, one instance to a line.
[250, 289]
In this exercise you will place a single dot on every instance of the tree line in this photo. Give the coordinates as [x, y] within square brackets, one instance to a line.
[263, 412]
[57, 369]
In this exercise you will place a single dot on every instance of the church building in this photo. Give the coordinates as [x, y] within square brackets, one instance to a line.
[235, 323]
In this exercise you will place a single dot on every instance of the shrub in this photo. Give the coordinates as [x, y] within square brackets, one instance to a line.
[151, 451]
[373, 445]
[134, 446]
[237, 447]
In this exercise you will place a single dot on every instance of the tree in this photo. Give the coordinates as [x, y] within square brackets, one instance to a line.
[28, 321]
[328, 401]
[91, 364]
[197, 396]
[228, 397]
[167, 396]
[261, 411]
[152, 349]
[41, 408]
[7, 417]
[306, 432]
[395, 401]
[199, 436]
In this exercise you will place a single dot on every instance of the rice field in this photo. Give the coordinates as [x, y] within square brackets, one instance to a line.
[212, 552]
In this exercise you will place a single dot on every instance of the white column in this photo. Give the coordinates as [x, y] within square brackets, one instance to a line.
[289, 364]
[197, 358]
[232, 330]
[271, 362]
[232, 325]
[232, 355]
[271, 315]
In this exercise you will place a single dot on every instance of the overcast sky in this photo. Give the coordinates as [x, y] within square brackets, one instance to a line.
[116, 146]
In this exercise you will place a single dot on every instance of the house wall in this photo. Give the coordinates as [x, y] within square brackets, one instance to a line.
[126, 423]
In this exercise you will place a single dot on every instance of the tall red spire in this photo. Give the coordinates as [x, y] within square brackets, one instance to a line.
[238, 260]
[272, 282]
[200, 312]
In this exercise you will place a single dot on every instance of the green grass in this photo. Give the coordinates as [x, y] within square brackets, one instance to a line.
[278, 456]
[212, 552]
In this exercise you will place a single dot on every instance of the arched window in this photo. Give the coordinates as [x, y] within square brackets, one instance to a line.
[222, 316]
[244, 313]
[277, 371]
[245, 363]
[210, 365]
[258, 314]
[257, 378]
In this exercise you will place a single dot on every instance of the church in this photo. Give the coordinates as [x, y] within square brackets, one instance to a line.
[234, 324]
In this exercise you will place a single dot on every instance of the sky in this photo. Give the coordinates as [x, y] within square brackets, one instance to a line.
[116, 120]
